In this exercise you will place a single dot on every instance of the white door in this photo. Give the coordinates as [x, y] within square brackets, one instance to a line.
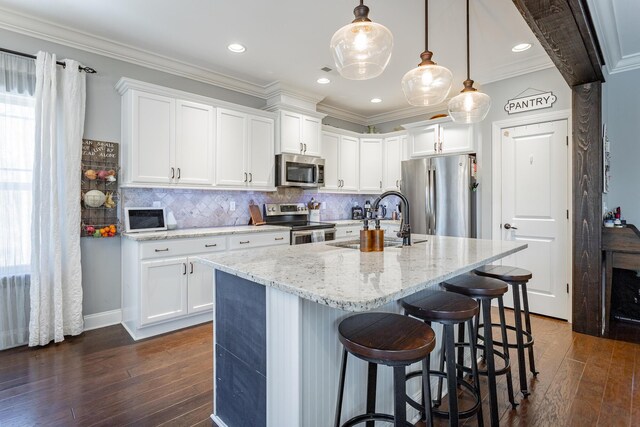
[456, 137]
[194, 143]
[534, 210]
[349, 163]
[423, 140]
[392, 162]
[163, 290]
[231, 148]
[261, 164]
[371, 165]
[200, 289]
[153, 138]
[330, 153]
[311, 135]
[290, 133]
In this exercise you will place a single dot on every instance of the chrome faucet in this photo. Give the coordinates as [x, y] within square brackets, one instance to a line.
[405, 227]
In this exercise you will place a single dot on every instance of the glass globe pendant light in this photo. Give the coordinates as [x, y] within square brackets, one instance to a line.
[429, 84]
[362, 49]
[470, 106]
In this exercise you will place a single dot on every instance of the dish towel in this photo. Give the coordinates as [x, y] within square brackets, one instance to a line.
[317, 236]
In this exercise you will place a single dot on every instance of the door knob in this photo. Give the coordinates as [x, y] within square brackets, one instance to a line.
[508, 226]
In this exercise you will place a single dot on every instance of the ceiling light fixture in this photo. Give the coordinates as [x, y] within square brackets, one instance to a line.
[361, 49]
[430, 83]
[376, 100]
[236, 48]
[470, 106]
[323, 81]
[521, 47]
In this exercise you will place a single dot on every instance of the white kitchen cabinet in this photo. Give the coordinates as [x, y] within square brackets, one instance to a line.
[299, 134]
[167, 140]
[347, 232]
[244, 150]
[439, 136]
[163, 290]
[341, 162]
[371, 166]
[199, 289]
[392, 163]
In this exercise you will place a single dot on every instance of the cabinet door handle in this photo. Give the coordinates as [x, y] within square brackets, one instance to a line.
[245, 177]
[211, 246]
[173, 173]
[162, 250]
[245, 242]
[381, 185]
[190, 268]
[250, 177]
[305, 148]
[301, 148]
[435, 146]
[397, 184]
[184, 272]
[178, 173]
[279, 238]
[349, 231]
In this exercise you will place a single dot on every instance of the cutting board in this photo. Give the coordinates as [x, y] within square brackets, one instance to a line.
[256, 216]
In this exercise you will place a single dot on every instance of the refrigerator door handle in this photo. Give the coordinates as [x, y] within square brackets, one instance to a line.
[432, 200]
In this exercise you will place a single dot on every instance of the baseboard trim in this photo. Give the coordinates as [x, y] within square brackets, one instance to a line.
[101, 320]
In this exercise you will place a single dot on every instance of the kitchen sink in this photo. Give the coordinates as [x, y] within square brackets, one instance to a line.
[388, 243]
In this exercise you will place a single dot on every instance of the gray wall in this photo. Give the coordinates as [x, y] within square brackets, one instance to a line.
[545, 80]
[620, 113]
[343, 124]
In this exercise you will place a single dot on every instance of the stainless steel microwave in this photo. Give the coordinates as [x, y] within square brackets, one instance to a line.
[293, 170]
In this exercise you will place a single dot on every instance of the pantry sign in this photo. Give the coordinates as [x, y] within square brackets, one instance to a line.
[530, 103]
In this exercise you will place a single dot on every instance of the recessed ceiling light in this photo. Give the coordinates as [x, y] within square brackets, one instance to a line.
[236, 48]
[521, 47]
[323, 80]
[376, 100]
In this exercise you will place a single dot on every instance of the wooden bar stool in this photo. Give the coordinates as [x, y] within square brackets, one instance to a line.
[449, 309]
[385, 339]
[485, 289]
[517, 278]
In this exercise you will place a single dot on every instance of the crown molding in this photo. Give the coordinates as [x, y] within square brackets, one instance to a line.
[342, 114]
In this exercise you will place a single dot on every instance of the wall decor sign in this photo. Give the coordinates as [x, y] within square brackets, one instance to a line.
[530, 103]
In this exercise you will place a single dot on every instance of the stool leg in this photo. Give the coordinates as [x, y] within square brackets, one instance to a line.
[438, 399]
[343, 370]
[522, 370]
[460, 349]
[527, 322]
[474, 370]
[426, 391]
[491, 363]
[372, 382]
[400, 401]
[505, 349]
[452, 389]
[477, 327]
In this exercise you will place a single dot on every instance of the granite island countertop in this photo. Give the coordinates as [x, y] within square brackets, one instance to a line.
[184, 233]
[351, 280]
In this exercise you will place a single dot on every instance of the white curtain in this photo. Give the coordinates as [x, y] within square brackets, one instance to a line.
[56, 279]
[17, 130]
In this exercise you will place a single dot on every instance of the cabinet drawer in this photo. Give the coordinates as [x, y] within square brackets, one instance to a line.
[254, 240]
[196, 245]
[351, 232]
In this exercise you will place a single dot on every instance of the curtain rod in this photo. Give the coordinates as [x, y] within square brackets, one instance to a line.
[87, 70]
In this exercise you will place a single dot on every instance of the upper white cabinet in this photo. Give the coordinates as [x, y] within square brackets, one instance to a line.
[299, 134]
[392, 163]
[244, 150]
[167, 140]
[371, 174]
[439, 136]
[341, 157]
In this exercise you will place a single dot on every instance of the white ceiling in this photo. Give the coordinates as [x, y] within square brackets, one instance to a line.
[287, 41]
[616, 23]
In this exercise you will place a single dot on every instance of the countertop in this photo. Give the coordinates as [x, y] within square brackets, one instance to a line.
[357, 281]
[346, 222]
[202, 232]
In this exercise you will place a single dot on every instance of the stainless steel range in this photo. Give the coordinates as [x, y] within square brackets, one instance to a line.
[295, 216]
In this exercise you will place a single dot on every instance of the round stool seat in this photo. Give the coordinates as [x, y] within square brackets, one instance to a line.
[476, 286]
[504, 272]
[441, 306]
[386, 337]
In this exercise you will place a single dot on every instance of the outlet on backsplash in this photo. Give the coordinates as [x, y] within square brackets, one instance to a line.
[232, 206]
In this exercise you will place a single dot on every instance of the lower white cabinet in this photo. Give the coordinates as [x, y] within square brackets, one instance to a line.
[344, 232]
[164, 289]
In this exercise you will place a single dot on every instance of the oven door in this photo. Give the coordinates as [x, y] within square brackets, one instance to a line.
[299, 171]
[307, 236]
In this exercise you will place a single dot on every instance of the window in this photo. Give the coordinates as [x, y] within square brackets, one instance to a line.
[17, 135]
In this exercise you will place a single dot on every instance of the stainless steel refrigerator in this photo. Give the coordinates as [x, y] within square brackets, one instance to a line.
[441, 194]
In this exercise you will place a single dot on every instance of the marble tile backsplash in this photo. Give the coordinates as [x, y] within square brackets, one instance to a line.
[207, 208]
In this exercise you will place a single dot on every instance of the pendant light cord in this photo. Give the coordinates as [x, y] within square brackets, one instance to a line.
[468, 60]
[426, 25]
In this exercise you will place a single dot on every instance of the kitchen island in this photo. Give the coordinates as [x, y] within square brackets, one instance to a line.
[276, 312]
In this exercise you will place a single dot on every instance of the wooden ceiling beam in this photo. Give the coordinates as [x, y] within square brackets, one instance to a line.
[565, 31]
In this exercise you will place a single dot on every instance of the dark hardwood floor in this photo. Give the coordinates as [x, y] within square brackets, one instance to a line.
[105, 378]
